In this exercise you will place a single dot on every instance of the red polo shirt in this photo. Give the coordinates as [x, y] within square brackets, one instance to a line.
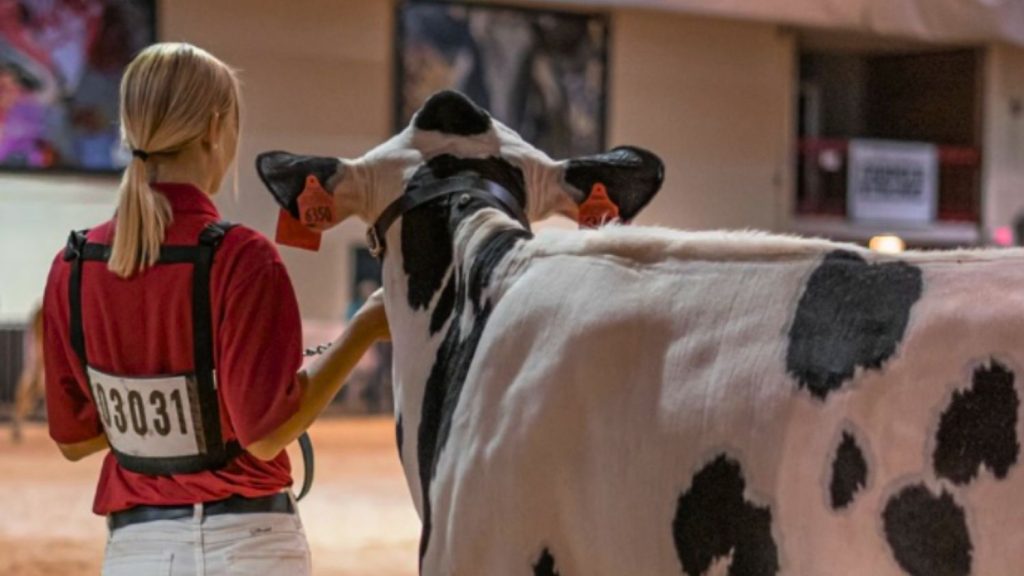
[143, 326]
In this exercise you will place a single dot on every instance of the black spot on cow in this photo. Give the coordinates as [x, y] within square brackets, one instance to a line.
[714, 521]
[849, 472]
[427, 231]
[851, 314]
[451, 366]
[445, 306]
[979, 428]
[928, 534]
[399, 437]
[441, 397]
[452, 113]
[487, 259]
[545, 565]
[426, 251]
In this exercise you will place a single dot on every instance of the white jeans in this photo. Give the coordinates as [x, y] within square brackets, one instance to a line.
[225, 544]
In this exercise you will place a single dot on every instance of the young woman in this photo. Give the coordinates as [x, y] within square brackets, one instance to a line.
[173, 344]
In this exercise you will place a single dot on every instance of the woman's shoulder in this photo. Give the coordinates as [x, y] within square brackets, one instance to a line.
[247, 250]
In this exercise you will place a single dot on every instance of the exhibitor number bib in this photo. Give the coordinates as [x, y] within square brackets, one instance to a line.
[150, 417]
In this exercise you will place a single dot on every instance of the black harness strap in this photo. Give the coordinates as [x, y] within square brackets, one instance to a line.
[168, 254]
[218, 453]
[306, 445]
[215, 452]
[202, 337]
[75, 252]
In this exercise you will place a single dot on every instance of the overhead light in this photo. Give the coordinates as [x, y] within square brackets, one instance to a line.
[887, 244]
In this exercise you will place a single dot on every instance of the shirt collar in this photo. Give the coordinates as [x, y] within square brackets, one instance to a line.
[186, 199]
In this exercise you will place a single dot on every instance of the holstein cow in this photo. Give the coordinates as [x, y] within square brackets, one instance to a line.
[645, 401]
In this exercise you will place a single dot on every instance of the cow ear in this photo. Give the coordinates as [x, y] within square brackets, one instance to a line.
[630, 176]
[288, 175]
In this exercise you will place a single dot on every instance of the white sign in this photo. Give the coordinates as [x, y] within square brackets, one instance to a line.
[892, 181]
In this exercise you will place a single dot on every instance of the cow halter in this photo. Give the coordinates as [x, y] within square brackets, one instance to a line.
[469, 186]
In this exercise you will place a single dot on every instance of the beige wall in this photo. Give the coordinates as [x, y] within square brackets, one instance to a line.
[317, 79]
[714, 99]
[36, 215]
[1003, 179]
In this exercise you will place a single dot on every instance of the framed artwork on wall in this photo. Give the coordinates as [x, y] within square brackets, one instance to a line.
[61, 64]
[543, 73]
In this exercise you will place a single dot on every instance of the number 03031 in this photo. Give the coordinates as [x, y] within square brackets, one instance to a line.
[147, 416]
[163, 413]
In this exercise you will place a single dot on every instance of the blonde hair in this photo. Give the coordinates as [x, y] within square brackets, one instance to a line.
[169, 94]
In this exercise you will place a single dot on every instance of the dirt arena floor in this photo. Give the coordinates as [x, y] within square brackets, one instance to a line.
[359, 517]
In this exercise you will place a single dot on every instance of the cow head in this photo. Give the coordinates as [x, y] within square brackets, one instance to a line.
[451, 135]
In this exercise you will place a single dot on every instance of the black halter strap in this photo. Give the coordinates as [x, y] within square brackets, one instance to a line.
[474, 186]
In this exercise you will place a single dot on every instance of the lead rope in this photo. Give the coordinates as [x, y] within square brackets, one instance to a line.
[309, 352]
[306, 446]
[305, 443]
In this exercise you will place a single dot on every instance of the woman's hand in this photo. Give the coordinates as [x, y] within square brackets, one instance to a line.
[371, 319]
[79, 450]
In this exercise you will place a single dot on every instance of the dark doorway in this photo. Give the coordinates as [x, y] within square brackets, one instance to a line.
[855, 86]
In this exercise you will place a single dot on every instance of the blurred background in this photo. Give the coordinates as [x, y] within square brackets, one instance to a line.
[894, 123]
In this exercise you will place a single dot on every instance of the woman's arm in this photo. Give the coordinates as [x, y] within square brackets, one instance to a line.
[78, 450]
[72, 418]
[322, 380]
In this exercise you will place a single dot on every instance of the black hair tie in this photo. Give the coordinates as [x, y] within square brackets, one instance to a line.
[141, 154]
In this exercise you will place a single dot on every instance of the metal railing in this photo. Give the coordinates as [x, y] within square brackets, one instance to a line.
[12, 356]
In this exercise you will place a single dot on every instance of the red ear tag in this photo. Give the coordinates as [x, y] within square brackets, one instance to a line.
[598, 209]
[291, 232]
[316, 206]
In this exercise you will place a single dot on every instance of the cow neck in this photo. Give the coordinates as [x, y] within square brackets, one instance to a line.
[426, 328]
[468, 187]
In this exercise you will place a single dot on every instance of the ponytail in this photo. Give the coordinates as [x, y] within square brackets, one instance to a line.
[168, 94]
[142, 217]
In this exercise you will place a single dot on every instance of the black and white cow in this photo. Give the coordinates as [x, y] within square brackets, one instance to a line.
[646, 401]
